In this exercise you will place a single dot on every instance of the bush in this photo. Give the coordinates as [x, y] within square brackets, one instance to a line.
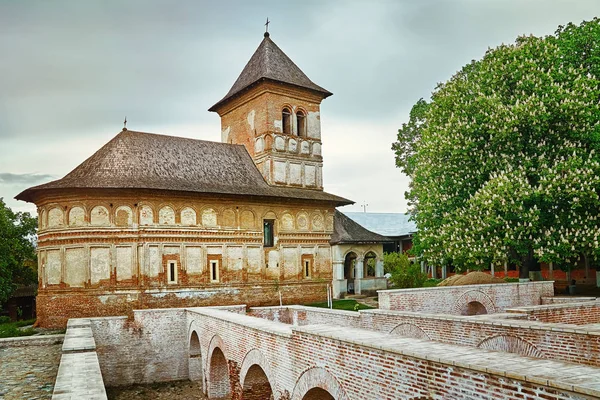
[405, 274]
[4, 319]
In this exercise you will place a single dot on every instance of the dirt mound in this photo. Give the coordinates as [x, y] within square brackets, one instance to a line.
[472, 278]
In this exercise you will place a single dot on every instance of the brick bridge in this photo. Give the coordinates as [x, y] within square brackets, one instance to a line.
[547, 351]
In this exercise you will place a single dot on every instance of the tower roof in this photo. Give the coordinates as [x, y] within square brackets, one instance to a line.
[269, 62]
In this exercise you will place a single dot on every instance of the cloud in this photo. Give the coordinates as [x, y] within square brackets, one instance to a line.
[23, 179]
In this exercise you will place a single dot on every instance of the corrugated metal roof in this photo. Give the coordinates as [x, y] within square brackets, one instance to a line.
[270, 62]
[387, 224]
[139, 160]
[346, 230]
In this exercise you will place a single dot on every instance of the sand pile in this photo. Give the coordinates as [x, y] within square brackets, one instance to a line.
[472, 278]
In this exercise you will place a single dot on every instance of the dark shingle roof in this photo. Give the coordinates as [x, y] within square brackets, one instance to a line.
[346, 230]
[138, 160]
[388, 224]
[271, 63]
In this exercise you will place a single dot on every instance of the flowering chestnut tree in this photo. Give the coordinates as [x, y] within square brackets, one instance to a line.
[505, 159]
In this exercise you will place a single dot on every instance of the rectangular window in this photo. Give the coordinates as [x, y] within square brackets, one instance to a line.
[268, 232]
[307, 262]
[172, 271]
[214, 270]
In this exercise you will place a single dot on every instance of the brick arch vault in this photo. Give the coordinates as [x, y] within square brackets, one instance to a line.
[318, 377]
[253, 359]
[410, 330]
[473, 296]
[510, 344]
[218, 383]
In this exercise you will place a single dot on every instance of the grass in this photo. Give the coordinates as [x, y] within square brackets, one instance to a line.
[348, 305]
[11, 329]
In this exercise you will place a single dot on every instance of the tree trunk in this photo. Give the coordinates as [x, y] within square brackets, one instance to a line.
[529, 263]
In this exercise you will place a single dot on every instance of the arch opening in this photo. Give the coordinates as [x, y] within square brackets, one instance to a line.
[286, 116]
[256, 385]
[370, 264]
[219, 386]
[301, 123]
[349, 264]
[195, 359]
[318, 394]
[474, 308]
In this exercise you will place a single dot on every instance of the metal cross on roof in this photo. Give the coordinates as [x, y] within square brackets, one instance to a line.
[267, 25]
[125, 123]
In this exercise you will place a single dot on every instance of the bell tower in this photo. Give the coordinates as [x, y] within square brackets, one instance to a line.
[273, 109]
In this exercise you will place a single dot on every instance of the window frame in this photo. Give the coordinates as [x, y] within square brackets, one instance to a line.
[301, 128]
[286, 121]
[172, 275]
[271, 242]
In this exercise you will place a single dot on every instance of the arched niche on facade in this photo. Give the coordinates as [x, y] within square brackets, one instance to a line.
[123, 216]
[287, 222]
[76, 216]
[209, 218]
[302, 221]
[99, 216]
[166, 216]
[228, 218]
[146, 215]
[43, 222]
[188, 216]
[247, 220]
[318, 222]
[55, 217]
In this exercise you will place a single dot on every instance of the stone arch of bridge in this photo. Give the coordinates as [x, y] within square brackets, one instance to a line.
[217, 370]
[510, 344]
[466, 303]
[316, 384]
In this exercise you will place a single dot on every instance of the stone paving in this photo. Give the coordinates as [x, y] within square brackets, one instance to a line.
[181, 390]
[28, 372]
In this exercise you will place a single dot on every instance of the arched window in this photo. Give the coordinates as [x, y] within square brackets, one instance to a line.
[286, 116]
[301, 123]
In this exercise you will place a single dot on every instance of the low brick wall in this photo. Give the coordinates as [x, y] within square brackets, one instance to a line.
[150, 347]
[584, 313]
[55, 308]
[564, 300]
[458, 300]
[358, 363]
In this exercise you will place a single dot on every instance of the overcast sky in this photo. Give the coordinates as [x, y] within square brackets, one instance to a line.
[70, 71]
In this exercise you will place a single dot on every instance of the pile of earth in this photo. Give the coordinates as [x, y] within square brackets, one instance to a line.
[472, 278]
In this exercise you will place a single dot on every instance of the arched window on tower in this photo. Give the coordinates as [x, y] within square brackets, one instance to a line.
[287, 120]
[301, 119]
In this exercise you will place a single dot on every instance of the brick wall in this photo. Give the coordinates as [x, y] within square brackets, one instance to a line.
[151, 347]
[456, 300]
[568, 313]
[54, 309]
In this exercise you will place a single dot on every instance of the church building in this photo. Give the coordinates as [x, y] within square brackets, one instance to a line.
[152, 221]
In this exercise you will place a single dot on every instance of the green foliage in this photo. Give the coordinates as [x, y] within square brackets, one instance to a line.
[511, 280]
[506, 161]
[11, 329]
[431, 282]
[405, 274]
[17, 249]
[347, 304]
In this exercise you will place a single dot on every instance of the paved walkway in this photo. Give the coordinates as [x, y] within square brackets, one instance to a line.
[182, 390]
[28, 372]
